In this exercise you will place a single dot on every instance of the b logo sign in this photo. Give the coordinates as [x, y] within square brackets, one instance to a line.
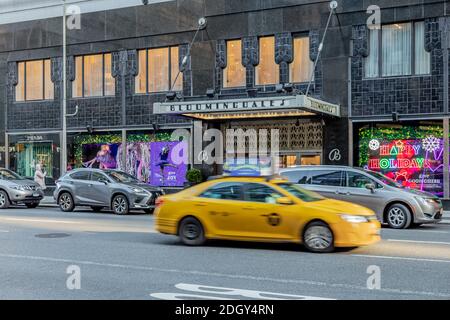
[335, 155]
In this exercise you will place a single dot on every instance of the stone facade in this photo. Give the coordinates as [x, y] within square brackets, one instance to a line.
[407, 95]
[173, 23]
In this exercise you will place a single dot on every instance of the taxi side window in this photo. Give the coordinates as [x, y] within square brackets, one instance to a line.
[256, 192]
[224, 191]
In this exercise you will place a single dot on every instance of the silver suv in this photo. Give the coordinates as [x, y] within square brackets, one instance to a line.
[15, 189]
[101, 189]
[394, 205]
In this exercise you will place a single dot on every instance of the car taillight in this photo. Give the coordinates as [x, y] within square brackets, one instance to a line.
[159, 202]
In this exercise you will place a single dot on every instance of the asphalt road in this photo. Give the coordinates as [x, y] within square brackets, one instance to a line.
[43, 251]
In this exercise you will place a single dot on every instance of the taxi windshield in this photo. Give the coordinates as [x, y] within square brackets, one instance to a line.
[299, 192]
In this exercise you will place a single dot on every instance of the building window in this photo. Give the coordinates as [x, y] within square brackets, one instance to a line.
[234, 74]
[158, 70]
[301, 68]
[34, 81]
[93, 76]
[398, 50]
[267, 72]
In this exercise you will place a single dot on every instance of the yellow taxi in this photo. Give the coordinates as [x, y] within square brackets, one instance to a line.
[268, 209]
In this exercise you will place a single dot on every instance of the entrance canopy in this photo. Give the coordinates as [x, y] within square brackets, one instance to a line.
[286, 106]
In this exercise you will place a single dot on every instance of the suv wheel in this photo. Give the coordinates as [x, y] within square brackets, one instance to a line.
[318, 237]
[120, 205]
[191, 232]
[65, 202]
[399, 216]
[4, 200]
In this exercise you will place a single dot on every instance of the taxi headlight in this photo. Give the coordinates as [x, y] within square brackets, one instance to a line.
[354, 219]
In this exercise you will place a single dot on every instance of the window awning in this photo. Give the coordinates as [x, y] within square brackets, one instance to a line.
[285, 106]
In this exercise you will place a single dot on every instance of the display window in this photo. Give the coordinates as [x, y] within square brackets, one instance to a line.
[27, 151]
[152, 159]
[413, 156]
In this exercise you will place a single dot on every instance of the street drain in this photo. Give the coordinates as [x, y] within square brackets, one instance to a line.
[53, 235]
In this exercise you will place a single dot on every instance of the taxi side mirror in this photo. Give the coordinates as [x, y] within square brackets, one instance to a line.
[285, 201]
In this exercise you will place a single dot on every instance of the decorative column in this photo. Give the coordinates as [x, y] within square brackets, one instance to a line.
[284, 54]
[250, 59]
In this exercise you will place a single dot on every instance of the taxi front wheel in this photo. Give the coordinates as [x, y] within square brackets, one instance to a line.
[191, 232]
[318, 237]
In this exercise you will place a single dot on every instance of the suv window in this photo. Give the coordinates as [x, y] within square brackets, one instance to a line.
[97, 176]
[327, 178]
[81, 175]
[298, 176]
[256, 192]
[358, 180]
[224, 191]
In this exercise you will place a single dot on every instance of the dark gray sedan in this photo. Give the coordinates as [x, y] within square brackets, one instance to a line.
[100, 189]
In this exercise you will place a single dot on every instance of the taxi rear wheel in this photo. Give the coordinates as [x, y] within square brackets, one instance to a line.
[191, 232]
[318, 237]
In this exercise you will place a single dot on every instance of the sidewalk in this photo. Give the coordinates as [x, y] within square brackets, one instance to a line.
[48, 202]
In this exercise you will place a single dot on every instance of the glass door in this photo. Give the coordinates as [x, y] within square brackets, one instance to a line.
[30, 154]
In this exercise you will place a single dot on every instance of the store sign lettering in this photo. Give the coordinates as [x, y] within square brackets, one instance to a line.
[225, 106]
[299, 102]
[34, 138]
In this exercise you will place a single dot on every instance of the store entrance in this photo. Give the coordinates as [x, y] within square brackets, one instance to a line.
[30, 154]
[290, 159]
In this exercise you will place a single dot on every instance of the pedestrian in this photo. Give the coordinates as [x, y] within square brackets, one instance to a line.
[39, 175]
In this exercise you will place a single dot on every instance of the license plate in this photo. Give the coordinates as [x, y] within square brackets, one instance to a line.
[36, 195]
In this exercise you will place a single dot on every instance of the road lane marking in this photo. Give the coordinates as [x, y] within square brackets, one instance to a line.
[419, 230]
[400, 258]
[4, 231]
[40, 220]
[419, 241]
[228, 276]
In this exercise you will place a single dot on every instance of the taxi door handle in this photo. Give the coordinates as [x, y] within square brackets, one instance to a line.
[200, 204]
[249, 208]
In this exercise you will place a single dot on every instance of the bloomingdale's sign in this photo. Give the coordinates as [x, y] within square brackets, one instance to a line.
[258, 104]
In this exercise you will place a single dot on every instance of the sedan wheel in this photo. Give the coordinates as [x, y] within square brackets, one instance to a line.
[120, 205]
[399, 217]
[65, 202]
[318, 237]
[4, 200]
